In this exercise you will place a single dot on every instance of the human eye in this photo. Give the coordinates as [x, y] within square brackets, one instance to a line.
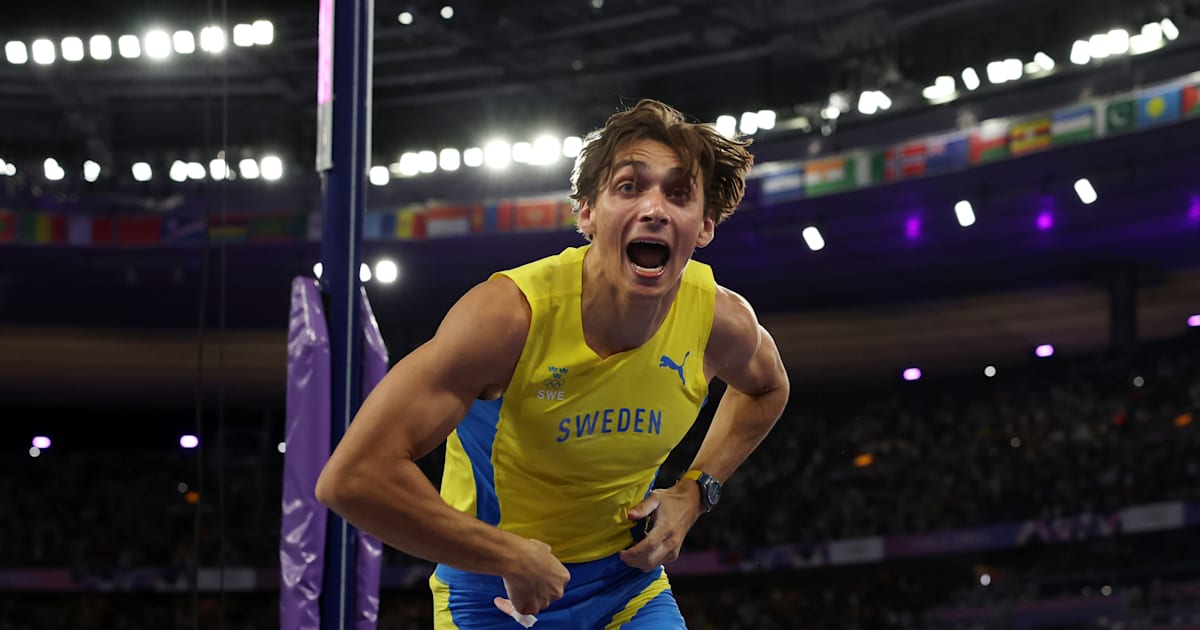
[626, 187]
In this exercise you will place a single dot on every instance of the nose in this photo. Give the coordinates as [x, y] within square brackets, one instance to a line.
[654, 209]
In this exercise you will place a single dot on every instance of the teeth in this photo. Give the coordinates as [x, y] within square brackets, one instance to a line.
[650, 269]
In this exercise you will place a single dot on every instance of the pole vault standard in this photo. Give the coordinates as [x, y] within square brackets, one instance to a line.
[329, 571]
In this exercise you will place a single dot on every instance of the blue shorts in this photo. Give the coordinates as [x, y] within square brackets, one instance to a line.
[604, 594]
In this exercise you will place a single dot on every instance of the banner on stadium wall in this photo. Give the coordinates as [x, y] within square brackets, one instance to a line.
[770, 183]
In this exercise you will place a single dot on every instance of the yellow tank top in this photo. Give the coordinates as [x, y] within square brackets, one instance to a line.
[575, 441]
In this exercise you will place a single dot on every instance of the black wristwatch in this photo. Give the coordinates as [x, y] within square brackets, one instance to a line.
[710, 488]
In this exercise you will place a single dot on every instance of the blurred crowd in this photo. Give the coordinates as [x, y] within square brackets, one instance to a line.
[1054, 438]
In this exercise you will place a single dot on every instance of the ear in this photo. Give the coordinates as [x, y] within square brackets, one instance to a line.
[585, 220]
[707, 232]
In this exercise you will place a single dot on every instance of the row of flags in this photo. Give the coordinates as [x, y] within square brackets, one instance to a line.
[987, 142]
[409, 223]
[773, 183]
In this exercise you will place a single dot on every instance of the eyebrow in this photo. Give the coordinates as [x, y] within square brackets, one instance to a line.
[639, 165]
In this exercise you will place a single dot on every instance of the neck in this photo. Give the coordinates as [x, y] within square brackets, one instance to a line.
[614, 321]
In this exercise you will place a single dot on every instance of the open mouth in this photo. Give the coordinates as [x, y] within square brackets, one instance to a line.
[648, 257]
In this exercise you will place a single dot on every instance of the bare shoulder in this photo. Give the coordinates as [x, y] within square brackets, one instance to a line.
[485, 330]
[735, 331]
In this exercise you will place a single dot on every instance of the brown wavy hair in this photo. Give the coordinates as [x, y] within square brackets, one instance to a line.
[722, 163]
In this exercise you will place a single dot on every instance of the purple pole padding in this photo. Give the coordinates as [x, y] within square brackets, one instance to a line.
[370, 550]
[307, 436]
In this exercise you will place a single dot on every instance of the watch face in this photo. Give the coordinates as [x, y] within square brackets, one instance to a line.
[714, 494]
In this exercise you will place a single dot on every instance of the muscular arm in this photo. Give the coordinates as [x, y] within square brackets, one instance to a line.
[371, 478]
[743, 354]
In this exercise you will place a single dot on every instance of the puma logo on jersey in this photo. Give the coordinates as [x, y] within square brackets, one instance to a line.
[668, 363]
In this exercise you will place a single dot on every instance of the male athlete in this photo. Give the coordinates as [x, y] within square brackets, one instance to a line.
[560, 387]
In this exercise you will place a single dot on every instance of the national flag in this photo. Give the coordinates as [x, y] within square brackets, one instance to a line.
[1075, 124]
[1190, 95]
[478, 218]
[139, 230]
[104, 231]
[787, 184]
[42, 229]
[373, 225]
[908, 160]
[182, 229]
[79, 229]
[947, 152]
[1156, 107]
[8, 226]
[410, 223]
[1030, 135]
[536, 214]
[827, 176]
[446, 221]
[229, 229]
[278, 227]
[566, 213]
[27, 227]
[1120, 115]
[989, 141]
[869, 166]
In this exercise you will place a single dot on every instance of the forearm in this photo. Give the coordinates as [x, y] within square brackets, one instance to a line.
[403, 509]
[739, 425]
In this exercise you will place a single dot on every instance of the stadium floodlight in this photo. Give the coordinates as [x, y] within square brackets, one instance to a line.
[405, 18]
[212, 39]
[1098, 46]
[546, 150]
[1046, 62]
[271, 167]
[985, 579]
[10, 169]
[427, 161]
[100, 47]
[1118, 41]
[16, 53]
[195, 170]
[248, 168]
[447, 12]
[1083, 188]
[318, 268]
[497, 154]
[473, 157]
[364, 272]
[812, 238]
[91, 171]
[1169, 30]
[996, 72]
[766, 119]
[449, 159]
[243, 35]
[281, 447]
[410, 164]
[970, 78]
[989, 371]
[1081, 52]
[35, 452]
[911, 374]
[965, 213]
[218, 169]
[1044, 350]
[142, 171]
[158, 44]
[41, 442]
[726, 125]
[53, 170]
[189, 441]
[572, 146]
[129, 46]
[522, 152]
[749, 123]
[831, 113]
[386, 271]
[185, 42]
[378, 175]
[178, 172]
[43, 52]
[883, 100]
[1012, 69]
[264, 32]
[1193, 321]
[72, 49]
